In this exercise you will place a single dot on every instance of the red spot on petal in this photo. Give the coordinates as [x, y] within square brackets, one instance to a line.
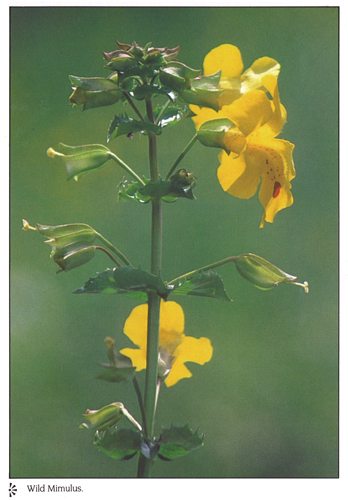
[276, 189]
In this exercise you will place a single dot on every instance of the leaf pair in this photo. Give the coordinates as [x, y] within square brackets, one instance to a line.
[136, 284]
[123, 444]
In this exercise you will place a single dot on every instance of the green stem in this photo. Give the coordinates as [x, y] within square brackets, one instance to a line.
[141, 402]
[109, 255]
[181, 156]
[154, 304]
[136, 110]
[160, 114]
[127, 168]
[204, 268]
[114, 249]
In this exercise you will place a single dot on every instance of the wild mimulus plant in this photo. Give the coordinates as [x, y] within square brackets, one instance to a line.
[238, 112]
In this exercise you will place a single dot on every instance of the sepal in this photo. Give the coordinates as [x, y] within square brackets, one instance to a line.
[94, 92]
[262, 273]
[103, 418]
[213, 132]
[81, 160]
[119, 368]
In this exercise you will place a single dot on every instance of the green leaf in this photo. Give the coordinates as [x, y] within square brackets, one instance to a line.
[129, 191]
[178, 441]
[124, 125]
[172, 115]
[120, 444]
[134, 283]
[180, 185]
[150, 90]
[202, 284]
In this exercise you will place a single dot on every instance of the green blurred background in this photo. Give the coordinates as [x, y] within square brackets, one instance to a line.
[268, 400]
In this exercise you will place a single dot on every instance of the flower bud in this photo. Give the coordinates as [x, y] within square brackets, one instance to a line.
[71, 256]
[94, 92]
[262, 273]
[81, 160]
[104, 417]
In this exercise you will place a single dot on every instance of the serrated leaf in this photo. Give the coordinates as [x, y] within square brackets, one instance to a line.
[134, 283]
[202, 284]
[129, 191]
[178, 441]
[120, 444]
[172, 115]
[163, 188]
[124, 125]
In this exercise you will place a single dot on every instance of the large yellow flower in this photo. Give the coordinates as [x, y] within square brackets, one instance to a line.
[227, 59]
[178, 347]
[255, 153]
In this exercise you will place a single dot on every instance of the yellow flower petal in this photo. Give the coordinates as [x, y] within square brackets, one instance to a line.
[171, 338]
[250, 111]
[275, 191]
[196, 350]
[253, 77]
[226, 58]
[136, 326]
[202, 115]
[237, 175]
[172, 317]
[178, 372]
[138, 357]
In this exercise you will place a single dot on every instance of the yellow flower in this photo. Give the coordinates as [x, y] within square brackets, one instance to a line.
[179, 347]
[227, 59]
[255, 153]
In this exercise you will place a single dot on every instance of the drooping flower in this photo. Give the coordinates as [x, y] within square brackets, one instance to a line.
[174, 345]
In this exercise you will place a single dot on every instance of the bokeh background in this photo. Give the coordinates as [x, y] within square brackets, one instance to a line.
[268, 400]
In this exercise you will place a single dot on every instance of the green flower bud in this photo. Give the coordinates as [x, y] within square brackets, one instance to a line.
[81, 160]
[94, 92]
[262, 273]
[71, 256]
[104, 417]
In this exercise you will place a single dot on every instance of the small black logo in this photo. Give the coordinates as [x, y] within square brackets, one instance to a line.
[12, 490]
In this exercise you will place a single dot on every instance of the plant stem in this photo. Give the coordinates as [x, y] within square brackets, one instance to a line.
[118, 264]
[204, 268]
[154, 304]
[114, 249]
[127, 168]
[181, 156]
[136, 110]
[141, 402]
